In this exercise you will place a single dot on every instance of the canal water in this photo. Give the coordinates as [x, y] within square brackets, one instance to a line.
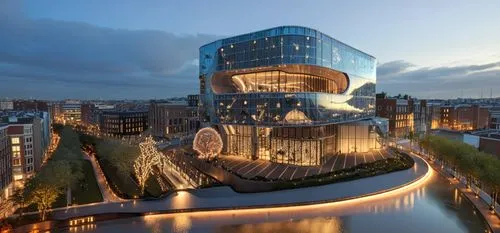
[434, 206]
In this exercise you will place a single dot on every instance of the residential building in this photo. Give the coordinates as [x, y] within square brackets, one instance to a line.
[6, 105]
[23, 153]
[30, 136]
[463, 117]
[434, 115]
[288, 94]
[399, 113]
[494, 118]
[121, 124]
[71, 111]
[30, 105]
[55, 111]
[87, 113]
[168, 120]
[5, 164]
[421, 120]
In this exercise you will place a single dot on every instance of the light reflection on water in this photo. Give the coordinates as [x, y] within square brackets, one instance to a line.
[432, 207]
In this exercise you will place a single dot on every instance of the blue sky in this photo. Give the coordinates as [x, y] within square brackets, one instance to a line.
[148, 49]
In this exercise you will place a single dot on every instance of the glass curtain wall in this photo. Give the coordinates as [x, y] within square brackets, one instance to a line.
[279, 81]
[305, 146]
[356, 138]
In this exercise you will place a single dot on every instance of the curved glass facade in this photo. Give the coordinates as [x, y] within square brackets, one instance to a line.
[286, 76]
[281, 80]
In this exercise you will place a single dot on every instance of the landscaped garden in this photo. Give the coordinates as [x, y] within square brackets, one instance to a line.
[66, 174]
[116, 159]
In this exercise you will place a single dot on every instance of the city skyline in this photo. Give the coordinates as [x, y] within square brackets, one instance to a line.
[91, 51]
[249, 116]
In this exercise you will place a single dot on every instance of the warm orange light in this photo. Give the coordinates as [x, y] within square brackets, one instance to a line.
[398, 191]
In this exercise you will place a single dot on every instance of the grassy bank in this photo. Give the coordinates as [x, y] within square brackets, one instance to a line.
[116, 159]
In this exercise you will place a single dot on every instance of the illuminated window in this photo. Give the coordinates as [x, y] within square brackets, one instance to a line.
[16, 162]
[15, 140]
[16, 148]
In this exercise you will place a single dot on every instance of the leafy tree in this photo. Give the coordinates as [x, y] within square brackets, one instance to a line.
[43, 193]
[144, 163]
[19, 198]
[118, 154]
[412, 137]
[490, 176]
[467, 161]
[43, 189]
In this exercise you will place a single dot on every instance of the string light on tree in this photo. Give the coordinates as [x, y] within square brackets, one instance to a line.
[143, 165]
[207, 143]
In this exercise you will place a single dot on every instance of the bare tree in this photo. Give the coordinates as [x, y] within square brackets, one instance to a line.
[207, 143]
[143, 165]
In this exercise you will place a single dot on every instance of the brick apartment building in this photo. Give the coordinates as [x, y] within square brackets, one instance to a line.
[464, 117]
[121, 123]
[168, 119]
[5, 163]
[400, 113]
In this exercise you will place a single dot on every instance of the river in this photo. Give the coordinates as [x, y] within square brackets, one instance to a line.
[433, 206]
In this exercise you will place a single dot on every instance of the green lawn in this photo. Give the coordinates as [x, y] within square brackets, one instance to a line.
[124, 184]
[116, 159]
[88, 190]
[85, 190]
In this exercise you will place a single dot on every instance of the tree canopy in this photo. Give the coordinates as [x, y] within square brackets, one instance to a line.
[465, 159]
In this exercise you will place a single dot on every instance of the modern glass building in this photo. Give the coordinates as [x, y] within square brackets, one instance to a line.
[283, 94]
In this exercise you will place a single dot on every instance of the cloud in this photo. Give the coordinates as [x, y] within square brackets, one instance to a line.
[39, 57]
[393, 67]
[438, 82]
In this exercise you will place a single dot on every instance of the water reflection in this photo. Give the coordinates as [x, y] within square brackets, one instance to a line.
[317, 225]
[434, 206]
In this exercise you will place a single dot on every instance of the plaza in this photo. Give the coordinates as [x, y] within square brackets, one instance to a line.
[249, 169]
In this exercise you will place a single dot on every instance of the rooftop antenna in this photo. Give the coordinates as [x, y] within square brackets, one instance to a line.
[491, 93]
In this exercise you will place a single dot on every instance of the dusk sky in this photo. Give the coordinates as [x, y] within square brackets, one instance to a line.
[149, 49]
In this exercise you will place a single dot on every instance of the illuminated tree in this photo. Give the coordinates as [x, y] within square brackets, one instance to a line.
[207, 143]
[46, 186]
[143, 165]
[43, 193]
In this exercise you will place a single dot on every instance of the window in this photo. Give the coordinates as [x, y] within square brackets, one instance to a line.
[16, 162]
[16, 148]
[15, 140]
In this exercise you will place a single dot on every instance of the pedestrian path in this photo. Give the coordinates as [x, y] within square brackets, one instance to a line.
[106, 191]
[249, 169]
[225, 198]
[492, 219]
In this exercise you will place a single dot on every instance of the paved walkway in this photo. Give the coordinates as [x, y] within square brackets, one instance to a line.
[107, 194]
[175, 177]
[493, 219]
[248, 168]
[226, 198]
